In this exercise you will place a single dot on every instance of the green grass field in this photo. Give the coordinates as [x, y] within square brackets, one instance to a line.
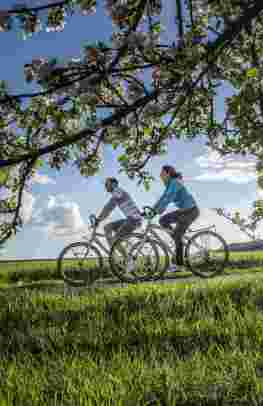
[160, 345]
[34, 271]
[189, 343]
[26, 271]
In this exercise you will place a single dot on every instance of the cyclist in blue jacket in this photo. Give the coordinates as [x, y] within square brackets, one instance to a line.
[188, 211]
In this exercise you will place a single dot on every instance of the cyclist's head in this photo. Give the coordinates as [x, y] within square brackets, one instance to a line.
[168, 172]
[111, 184]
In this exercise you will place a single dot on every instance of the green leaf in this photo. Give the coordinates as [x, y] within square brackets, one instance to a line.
[156, 27]
[122, 158]
[147, 186]
[251, 73]
[147, 131]
[13, 203]
[20, 141]
[39, 163]
[4, 174]
[2, 123]
[131, 19]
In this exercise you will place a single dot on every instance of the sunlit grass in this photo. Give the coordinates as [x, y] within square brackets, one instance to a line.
[183, 344]
[26, 271]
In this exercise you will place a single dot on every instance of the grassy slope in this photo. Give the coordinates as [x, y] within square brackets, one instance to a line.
[189, 344]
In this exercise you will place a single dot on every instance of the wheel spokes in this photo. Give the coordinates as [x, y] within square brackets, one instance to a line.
[80, 264]
[206, 254]
[134, 259]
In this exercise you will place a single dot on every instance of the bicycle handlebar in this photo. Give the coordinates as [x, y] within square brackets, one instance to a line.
[93, 220]
[148, 212]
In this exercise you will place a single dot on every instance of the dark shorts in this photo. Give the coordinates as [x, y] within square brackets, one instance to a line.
[123, 226]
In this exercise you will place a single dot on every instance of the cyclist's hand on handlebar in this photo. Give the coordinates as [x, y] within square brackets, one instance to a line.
[149, 212]
[96, 221]
[153, 213]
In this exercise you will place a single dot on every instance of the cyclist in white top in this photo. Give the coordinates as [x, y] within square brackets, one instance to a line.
[120, 198]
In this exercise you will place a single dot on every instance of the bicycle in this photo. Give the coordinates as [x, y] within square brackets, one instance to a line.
[205, 269]
[78, 270]
[144, 271]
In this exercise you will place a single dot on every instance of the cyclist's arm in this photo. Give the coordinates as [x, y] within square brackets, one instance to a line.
[168, 197]
[107, 209]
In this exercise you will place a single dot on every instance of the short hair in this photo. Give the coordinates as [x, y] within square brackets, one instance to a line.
[112, 180]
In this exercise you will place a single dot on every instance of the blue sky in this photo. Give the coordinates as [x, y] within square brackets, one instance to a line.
[59, 203]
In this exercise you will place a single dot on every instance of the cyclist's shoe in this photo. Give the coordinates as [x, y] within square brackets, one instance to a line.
[175, 268]
[172, 268]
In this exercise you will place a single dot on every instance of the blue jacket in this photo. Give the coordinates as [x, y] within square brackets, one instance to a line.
[176, 193]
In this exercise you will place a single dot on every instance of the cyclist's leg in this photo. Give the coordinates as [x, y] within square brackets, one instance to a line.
[168, 219]
[128, 226]
[119, 228]
[111, 229]
[185, 217]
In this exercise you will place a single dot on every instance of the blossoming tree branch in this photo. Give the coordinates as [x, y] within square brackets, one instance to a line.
[215, 41]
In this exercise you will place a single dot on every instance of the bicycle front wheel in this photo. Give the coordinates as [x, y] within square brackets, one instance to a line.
[135, 258]
[206, 254]
[79, 264]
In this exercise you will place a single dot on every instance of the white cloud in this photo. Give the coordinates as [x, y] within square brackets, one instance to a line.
[42, 179]
[229, 231]
[230, 175]
[60, 218]
[233, 169]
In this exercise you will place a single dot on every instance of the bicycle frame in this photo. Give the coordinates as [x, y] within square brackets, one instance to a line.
[152, 228]
[94, 239]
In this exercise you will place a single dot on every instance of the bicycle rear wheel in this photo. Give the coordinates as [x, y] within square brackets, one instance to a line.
[135, 258]
[80, 264]
[206, 254]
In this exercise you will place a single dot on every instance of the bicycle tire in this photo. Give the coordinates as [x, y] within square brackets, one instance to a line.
[90, 278]
[118, 271]
[225, 250]
[162, 270]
